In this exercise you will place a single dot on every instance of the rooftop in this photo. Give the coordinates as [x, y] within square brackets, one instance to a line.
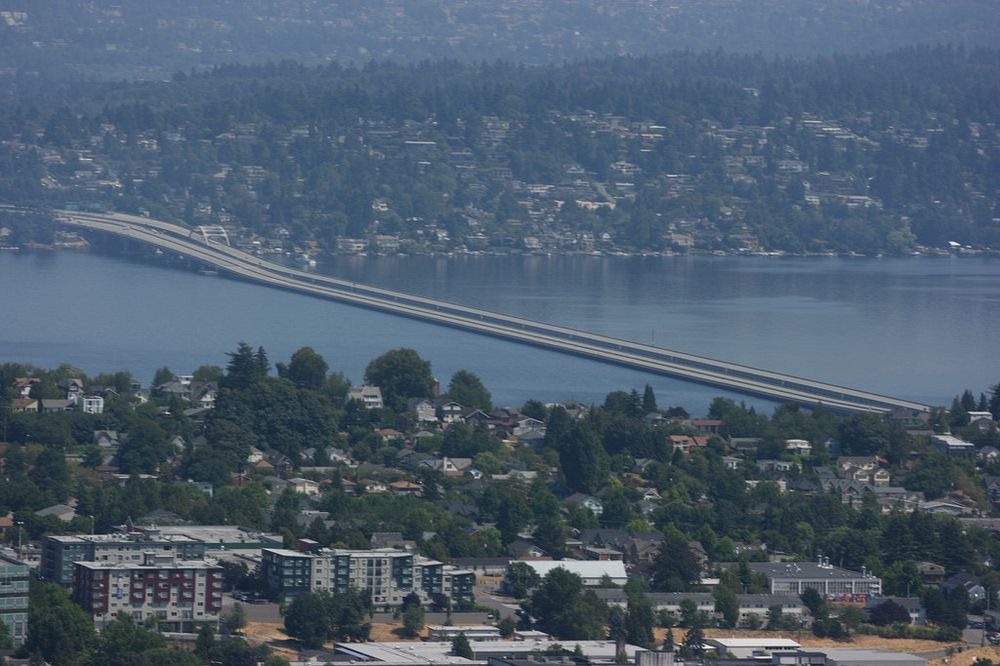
[806, 570]
[439, 652]
[582, 568]
[130, 566]
[138, 537]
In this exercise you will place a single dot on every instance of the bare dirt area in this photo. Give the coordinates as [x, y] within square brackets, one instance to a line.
[274, 635]
[968, 657]
[392, 632]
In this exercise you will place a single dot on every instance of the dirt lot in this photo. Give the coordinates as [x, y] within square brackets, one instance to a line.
[275, 636]
[266, 632]
[966, 658]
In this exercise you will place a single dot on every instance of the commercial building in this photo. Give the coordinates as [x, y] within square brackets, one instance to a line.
[472, 632]
[180, 595]
[830, 581]
[386, 575]
[856, 657]
[427, 653]
[748, 648]
[14, 597]
[593, 572]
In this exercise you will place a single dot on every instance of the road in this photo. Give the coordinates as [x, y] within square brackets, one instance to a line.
[734, 377]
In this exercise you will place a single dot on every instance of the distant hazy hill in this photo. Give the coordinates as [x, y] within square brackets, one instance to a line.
[139, 38]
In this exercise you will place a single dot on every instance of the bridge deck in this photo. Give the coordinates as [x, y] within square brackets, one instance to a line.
[731, 376]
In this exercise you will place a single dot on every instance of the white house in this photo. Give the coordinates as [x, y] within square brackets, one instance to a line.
[800, 447]
[304, 486]
[369, 396]
[92, 404]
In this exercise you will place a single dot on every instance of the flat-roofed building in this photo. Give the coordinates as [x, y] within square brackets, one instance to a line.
[179, 594]
[747, 648]
[386, 574]
[14, 597]
[492, 652]
[59, 553]
[476, 632]
[830, 581]
[867, 657]
[593, 572]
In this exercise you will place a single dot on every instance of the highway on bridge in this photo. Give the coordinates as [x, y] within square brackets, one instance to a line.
[738, 378]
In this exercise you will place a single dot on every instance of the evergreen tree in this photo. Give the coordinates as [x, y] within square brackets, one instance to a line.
[460, 647]
[584, 461]
[648, 400]
[694, 641]
[244, 368]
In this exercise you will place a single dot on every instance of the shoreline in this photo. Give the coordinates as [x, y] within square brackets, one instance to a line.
[924, 253]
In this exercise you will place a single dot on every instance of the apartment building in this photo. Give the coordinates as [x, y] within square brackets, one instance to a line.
[185, 542]
[14, 597]
[59, 553]
[179, 594]
[386, 575]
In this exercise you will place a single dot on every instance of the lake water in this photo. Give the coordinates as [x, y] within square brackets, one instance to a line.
[916, 328]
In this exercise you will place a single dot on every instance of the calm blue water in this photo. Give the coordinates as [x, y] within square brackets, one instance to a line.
[922, 328]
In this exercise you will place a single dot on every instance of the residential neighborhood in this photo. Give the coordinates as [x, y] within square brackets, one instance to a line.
[452, 505]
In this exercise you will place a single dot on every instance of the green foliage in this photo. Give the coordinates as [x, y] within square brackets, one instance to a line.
[6, 639]
[648, 400]
[813, 601]
[170, 657]
[306, 369]
[728, 606]
[58, 629]
[306, 619]
[246, 368]
[460, 647]
[413, 620]
[467, 389]
[463, 441]
[122, 641]
[694, 640]
[675, 568]
[145, 448]
[583, 460]
[207, 373]
[315, 618]
[639, 621]
[520, 579]
[278, 414]
[162, 376]
[563, 608]
[507, 626]
[863, 434]
[534, 409]
[237, 618]
[401, 374]
[889, 612]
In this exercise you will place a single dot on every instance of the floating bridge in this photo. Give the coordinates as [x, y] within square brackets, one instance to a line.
[210, 246]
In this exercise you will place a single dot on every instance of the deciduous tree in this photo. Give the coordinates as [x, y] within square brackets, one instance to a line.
[467, 389]
[400, 374]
